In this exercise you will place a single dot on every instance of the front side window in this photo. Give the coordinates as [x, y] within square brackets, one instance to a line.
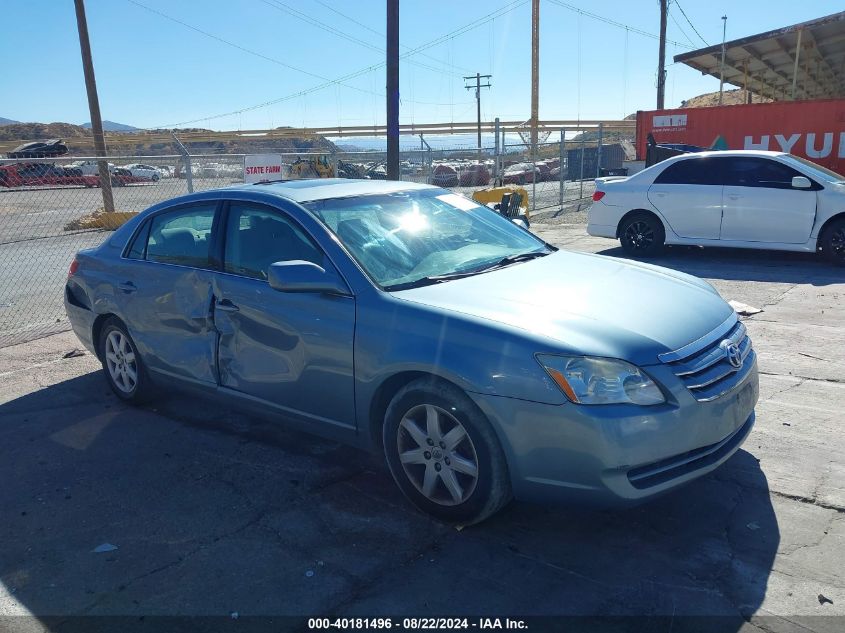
[182, 237]
[758, 172]
[691, 171]
[257, 237]
[418, 237]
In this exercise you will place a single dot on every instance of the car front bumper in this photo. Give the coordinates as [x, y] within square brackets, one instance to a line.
[618, 454]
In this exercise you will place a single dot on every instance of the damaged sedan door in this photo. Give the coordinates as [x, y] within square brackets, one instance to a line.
[165, 293]
[291, 351]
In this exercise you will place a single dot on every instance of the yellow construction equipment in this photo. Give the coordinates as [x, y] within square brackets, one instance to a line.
[317, 167]
[497, 194]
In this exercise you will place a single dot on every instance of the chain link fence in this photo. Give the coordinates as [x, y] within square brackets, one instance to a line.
[52, 208]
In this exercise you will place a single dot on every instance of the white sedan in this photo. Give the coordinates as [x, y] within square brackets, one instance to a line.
[143, 171]
[741, 199]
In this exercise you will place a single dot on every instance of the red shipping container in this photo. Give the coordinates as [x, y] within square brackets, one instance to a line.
[812, 129]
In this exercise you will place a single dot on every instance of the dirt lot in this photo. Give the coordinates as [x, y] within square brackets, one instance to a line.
[212, 513]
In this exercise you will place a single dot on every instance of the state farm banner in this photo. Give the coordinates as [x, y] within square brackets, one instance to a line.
[262, 167]
[812, 129]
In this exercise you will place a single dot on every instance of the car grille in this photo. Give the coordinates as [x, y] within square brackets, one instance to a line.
[704, 367]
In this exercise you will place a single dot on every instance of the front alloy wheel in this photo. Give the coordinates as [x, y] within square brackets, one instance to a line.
[443, 452]
[437, 455]
[833, 242]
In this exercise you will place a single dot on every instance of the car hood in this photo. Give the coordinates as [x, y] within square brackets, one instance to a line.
[586, 304]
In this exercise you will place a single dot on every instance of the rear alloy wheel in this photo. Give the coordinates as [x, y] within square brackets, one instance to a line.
[642, 235]
[443, 453]
[122, 364]
[833, 242]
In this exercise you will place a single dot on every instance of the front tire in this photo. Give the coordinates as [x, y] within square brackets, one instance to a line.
[443, 453]
[833, 242]
[122, 364]
[642, 235]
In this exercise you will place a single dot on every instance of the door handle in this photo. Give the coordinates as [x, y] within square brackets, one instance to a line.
[734, 196]
[127, 287]
[659, 194]
[227, 306]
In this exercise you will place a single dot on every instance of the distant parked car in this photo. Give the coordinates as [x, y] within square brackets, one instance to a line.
[39, 149]
[545, 172]
[520, 173]
[89, 167]
[474, 175]
[740, 198]
[144, 171]
[43, 174]
[444, 176]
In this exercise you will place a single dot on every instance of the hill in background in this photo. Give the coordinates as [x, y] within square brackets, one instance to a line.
[729, 97]
[5, 121]
[134, 145]
[111, 126]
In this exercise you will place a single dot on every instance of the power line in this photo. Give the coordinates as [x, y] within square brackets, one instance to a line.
[286, 8]
[680, 28]
[381, 34]
[238, 46]
[511, 6]
[601, 18]
[684, 13]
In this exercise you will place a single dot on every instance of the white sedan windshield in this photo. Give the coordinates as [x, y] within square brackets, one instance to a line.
[415, 237]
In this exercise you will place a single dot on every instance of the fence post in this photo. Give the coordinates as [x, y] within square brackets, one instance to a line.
[598, 150]
[186, 157]
[561, 180]
[496, 152]
[581, 176]
[333, 161]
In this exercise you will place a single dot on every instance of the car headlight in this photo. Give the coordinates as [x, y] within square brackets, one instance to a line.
[587, 380]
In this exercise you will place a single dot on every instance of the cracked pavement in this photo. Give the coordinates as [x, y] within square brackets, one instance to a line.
[215, 512]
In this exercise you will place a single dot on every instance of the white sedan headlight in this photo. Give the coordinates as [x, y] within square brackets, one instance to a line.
[588, 380]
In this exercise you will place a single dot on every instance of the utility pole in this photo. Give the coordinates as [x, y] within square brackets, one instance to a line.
[94, 106]
[478, 86]
[393, 90]
[535, 74]
[661, 57]
[722, 65]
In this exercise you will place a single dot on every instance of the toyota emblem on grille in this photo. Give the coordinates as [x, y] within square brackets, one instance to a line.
[732, 353]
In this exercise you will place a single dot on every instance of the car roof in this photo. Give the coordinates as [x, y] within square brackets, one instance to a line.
[730, 152]
[309, 190]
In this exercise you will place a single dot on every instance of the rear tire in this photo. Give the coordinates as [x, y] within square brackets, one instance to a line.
[832, 242]
[122, 364]
[443, 453]
[642, 235]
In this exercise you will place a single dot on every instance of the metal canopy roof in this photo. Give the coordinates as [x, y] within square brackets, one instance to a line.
[802, 61]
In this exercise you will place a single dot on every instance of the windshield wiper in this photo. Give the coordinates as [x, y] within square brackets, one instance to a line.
[513, 259]
[429, 280]
[436, 279]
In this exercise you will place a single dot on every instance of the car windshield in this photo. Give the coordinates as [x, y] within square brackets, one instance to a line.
[817, 170]
[415, 238]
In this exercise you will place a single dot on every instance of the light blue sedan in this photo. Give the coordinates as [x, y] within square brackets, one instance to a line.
[405, 319]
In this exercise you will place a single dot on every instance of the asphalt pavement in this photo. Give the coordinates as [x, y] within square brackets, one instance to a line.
[182, 508]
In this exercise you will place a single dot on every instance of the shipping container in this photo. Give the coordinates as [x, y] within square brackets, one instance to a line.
[811, 129]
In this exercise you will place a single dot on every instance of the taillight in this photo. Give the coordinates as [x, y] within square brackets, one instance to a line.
[598, 195]
[74, 266]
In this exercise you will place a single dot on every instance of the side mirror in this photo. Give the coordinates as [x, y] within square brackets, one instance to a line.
[301, 276]
[800, 182]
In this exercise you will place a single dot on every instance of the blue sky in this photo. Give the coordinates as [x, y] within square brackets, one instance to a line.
[154, 70]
